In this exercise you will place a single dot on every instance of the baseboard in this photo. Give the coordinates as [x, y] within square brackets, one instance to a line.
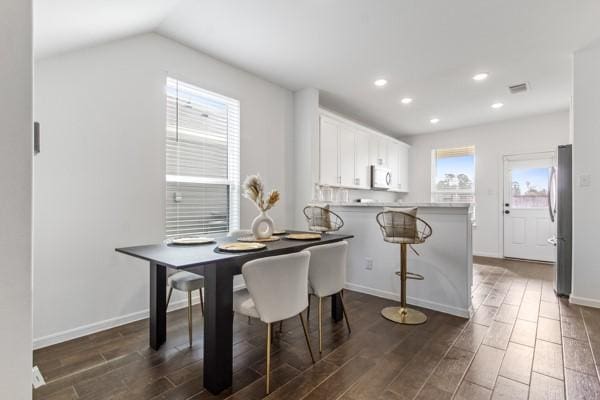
[103, 325]
[486, 254]
[99, 326]
[584, 301]
[459, 312]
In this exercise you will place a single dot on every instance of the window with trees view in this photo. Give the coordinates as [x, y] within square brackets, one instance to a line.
[453, 175]
[530, 187]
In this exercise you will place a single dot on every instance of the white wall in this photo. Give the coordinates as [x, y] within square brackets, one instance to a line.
[100, 176]
[586, 218]
[492, 142]
[15, 207]
[306, 149]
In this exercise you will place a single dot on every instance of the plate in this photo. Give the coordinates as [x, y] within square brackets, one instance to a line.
[304, 236]
[192, 240]
[253, 239]
[238, 247]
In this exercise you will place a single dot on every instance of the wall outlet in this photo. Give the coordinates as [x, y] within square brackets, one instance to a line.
[368, 263]
[37, 378]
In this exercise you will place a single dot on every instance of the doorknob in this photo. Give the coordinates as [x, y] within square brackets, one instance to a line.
[506, 212]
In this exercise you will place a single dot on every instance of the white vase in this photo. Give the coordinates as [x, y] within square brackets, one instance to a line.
[262, 226]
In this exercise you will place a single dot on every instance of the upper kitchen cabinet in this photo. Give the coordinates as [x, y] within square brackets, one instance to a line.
[347, 150]
[362, 171]
[402, 175]
[378, 150]
[329, 152]
[398, 155]
[392, 161]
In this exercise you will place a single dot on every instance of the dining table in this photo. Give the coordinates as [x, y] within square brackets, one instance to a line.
[218, 269]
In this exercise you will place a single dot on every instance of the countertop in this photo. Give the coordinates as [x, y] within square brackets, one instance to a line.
[399, 204]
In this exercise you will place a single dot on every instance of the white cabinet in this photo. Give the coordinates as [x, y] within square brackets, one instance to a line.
[402, 175]
[362, 170]
[392, 162]
[328, 151]
[378, 151]
[347, 151]
[399, 166]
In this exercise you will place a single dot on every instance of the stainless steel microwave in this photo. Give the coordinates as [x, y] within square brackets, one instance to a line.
[381, 178]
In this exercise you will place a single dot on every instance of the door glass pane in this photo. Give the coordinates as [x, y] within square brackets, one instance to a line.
[530, 187]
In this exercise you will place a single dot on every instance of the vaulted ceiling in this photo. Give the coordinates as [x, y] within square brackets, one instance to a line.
[427, 50]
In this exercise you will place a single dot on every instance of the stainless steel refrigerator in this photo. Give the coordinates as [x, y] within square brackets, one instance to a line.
[560, 204]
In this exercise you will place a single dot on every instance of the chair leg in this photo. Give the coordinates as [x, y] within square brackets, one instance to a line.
[308, 311]
[281, 326]
[201, 301]
[169, 297]
[344, 311]
[268, 390]
[190, 317]
[306, 337]
[320, 325]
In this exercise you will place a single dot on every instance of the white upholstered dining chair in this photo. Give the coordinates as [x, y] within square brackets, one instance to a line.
[276, 289]
[327, 276]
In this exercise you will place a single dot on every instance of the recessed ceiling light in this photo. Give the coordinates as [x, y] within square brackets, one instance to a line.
[434, 120]
[480, 76]
[380, 82]
[406, 100]
[497, 105]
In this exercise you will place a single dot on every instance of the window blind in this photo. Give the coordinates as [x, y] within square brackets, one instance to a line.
[453, 175]
[202, 161]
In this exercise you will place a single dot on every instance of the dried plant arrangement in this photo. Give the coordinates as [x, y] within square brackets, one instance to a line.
[254, 190]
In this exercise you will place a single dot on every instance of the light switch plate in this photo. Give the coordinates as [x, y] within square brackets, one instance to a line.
[585, 180]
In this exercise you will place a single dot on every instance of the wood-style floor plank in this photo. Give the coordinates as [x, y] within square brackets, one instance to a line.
[512, 347]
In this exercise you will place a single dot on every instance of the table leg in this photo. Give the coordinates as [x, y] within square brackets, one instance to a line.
[336, 308]
[218, 327]
[158, 312]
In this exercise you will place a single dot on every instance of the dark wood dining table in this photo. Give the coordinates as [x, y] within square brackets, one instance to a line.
[218, 270]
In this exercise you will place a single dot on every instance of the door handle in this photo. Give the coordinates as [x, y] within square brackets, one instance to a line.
[506, 212]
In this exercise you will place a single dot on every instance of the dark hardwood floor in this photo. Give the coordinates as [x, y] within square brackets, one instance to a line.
[521, 343]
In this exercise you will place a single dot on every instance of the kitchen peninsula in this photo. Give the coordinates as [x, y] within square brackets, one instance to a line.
[445, 259]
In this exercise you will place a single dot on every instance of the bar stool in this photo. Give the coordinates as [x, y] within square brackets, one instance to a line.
[322, 219]
[402, 226]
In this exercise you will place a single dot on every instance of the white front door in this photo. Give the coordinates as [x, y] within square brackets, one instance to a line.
[527, 225]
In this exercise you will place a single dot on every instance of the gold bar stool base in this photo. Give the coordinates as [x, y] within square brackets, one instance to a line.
[407, 316]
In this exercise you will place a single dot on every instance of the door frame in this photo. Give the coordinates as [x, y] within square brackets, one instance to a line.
[512, 157]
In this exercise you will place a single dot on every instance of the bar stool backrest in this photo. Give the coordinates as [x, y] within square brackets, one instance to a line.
[401, 225]
[322, 219]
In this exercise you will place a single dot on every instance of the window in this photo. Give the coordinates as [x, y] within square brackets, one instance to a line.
[529, 187]
[203, 161]
[453, 175]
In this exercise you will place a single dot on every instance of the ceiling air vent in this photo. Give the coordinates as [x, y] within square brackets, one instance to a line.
[518, 88]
